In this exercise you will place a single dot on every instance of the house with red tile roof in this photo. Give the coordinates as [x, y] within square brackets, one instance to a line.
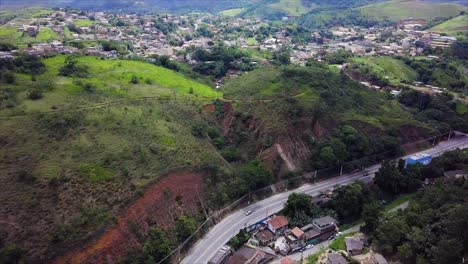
[278, 224]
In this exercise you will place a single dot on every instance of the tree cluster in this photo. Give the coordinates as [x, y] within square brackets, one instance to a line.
[300, 210]
[431, 230]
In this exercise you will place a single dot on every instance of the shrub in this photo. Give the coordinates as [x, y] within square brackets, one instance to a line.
[231, 154]
[10, 253]
[89, 87]
[9, 77]
[35, 94]
[59, 124]
[72, 69]
[25, 176]
[134, 80]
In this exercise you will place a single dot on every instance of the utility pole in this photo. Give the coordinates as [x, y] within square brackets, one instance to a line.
[341, 170]
[433, 142]
[450, 134]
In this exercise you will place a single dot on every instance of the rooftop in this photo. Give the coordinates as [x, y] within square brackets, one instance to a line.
[278, 222]
[353, 243]
[265, 235]
[324, 221]
[336, 258]
[297, 232]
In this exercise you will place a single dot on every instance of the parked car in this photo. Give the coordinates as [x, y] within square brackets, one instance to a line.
[309, 246]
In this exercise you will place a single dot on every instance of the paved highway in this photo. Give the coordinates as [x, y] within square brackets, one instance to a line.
[220, 234]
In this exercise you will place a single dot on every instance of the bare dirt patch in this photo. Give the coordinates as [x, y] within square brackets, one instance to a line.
[161, 204]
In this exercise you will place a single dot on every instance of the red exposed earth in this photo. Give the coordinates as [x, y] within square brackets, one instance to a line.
[161, 204]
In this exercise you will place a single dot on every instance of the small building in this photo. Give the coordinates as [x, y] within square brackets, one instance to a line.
[336, 258]
[248, 255]
[422, 158]
[278, 224]
[354, 246]
[310, 234]
[265, 237]
[295, 238]
[324, 224]
[221, 256]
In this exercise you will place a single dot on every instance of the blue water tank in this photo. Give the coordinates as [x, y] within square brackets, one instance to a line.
[422, 158]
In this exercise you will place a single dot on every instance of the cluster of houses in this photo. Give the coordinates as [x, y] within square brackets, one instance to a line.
[274, 237]
[146, 39]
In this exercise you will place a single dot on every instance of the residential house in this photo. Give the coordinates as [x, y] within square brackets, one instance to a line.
[221, 256]
[325, 224]
[319, 230]
[295, 238]
[310, 234]
[250, 255]
[265, 237]
[354, 246]
[278, 224]
[336, 258]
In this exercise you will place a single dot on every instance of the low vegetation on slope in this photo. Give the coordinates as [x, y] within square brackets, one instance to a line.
[454, 26]
[396, 10]
[231, 12]
[72, 160]
[313, 85]
[394, 70]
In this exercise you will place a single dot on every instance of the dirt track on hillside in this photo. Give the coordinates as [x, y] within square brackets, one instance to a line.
[161, 204]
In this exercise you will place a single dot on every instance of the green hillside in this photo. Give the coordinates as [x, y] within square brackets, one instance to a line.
[396, 10]
[454, 26]
[396, 71]
[291, 7]
[231, 12]
[311, 84]
[103, 134]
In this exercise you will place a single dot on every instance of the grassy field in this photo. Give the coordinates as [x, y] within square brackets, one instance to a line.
[114, 76]
[83, 22]
[454, 26]
[46, 35]
[231, 12]
[291, 7]
[251, 41]
[314, 258]
[396, 70]
[396, 10]
[110, 81]
[339, 242]
[12, 35]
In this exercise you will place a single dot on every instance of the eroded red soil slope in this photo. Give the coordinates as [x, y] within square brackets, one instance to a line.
[161, 204]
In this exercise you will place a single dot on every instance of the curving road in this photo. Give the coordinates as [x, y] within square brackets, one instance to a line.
[220, 234]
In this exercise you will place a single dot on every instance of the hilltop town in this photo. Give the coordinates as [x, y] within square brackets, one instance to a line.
[176, 35]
